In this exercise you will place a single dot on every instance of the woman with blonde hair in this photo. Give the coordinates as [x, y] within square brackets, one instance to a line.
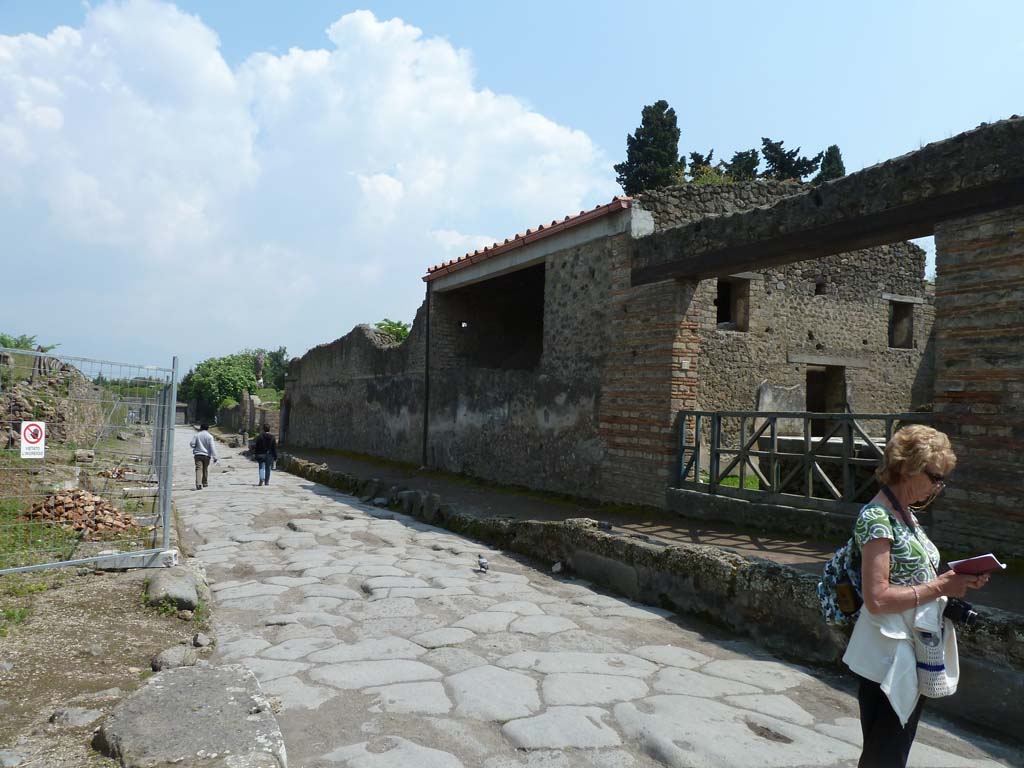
[903, 593]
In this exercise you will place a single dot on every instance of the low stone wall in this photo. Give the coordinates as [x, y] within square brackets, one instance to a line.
[774, 604]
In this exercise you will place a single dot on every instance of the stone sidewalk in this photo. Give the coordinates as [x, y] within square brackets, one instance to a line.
[388, 647]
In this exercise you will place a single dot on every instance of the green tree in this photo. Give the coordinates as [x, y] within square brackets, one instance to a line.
[783, 164]
[23, 341]
[396, 329]
[743, 166]
[831, 165]
[652, 152]
[215, 380]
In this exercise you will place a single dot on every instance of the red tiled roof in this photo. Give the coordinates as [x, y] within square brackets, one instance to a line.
[530, 236]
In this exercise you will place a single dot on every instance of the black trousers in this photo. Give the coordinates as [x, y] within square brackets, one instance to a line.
[886, 742]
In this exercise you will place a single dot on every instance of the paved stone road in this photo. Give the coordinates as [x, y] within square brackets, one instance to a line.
[388, 649]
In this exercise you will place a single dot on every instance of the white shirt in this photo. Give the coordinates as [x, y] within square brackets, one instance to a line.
[881, 649]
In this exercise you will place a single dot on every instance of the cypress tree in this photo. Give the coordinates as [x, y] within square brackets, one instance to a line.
[785, 164]
[743, 166]
[652, 152]
[831, 165]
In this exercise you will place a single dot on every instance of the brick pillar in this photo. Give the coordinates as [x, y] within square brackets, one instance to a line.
[650, 374]
[979, 379]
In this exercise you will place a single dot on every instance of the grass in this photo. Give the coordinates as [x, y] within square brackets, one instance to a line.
[12, 617]
[16, 593]
[752, 483]
[31, 543]
[269, 395]
[733, 481]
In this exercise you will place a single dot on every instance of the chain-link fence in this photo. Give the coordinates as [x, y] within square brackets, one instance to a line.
[85, 461]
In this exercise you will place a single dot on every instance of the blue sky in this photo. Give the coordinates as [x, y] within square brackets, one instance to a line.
[177, 169]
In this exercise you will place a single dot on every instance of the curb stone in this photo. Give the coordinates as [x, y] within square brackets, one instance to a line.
[217, 716]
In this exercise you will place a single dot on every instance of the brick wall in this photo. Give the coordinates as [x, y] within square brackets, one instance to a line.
[648, 376]
[979, 382]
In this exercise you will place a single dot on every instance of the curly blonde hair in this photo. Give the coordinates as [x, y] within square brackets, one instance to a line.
[912, 449]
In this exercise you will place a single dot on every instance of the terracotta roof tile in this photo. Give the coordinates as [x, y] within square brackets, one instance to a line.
[531, 235]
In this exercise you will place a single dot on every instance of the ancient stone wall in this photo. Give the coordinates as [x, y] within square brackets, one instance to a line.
[361, 393]
[533, 425]
[833, 311]
[675, 206]
[563, 376]
[979, 384]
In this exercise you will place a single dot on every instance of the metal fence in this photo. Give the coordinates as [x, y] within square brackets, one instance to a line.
[816, 460]
[86, 452]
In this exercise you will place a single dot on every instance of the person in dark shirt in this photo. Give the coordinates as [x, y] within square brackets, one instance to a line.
[265, 450]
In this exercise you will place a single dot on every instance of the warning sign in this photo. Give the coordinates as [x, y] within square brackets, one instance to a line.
[33, 439]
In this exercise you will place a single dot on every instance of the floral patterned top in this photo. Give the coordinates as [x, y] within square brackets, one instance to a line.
[913, 558]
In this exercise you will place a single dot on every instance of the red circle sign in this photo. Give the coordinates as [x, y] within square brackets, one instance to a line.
[32, 434]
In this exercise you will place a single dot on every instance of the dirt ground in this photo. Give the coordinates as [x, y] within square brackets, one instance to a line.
[73, 639]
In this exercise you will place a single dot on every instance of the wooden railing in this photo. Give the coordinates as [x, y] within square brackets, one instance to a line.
[819, 460]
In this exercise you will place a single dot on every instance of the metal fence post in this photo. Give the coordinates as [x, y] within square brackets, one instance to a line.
[167, 475]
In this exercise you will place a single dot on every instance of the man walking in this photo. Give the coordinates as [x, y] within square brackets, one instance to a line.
[203, 449]
[265, 450]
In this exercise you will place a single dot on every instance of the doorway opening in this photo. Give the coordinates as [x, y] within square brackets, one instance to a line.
[826, 393]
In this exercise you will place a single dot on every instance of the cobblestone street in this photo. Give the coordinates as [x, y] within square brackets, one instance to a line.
[388, 647]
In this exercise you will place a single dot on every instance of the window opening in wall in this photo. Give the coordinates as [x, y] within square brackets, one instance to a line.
[819, 286]
[732, 304]
[826, 393]
[901, 325]
[504, 325]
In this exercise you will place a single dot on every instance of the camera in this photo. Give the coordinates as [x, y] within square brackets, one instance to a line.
[960, 612]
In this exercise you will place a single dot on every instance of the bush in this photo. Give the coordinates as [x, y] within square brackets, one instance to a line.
[396, 329]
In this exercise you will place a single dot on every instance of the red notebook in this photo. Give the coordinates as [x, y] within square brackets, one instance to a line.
[972, 566]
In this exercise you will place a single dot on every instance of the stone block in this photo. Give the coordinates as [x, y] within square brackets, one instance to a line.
[182, 713]
[174, 657]
[176, 586]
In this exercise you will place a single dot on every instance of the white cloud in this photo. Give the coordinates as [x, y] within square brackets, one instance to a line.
[456, 243]
[201, 209]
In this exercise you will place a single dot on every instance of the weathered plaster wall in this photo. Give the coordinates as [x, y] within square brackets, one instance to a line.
[361, 393]
[534, 426]
[979, 385]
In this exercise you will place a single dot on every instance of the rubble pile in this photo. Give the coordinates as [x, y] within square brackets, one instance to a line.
[91, 515]
[116, 473]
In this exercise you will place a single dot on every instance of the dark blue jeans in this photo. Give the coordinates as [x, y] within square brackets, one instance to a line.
[266, 461]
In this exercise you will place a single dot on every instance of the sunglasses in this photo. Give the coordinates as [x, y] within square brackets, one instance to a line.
[935, 477]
